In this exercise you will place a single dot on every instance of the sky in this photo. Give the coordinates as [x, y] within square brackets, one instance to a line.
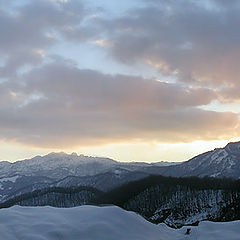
[140, 80]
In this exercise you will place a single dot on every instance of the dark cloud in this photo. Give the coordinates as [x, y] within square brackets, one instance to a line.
[61, 105]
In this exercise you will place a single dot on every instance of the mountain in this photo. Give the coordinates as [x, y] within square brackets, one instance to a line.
[60, 165]
[72, 170]
[63, 180]
[103, 181]
[56, 197]
[67, 170]
[220, 163]
[57, 166]
[17, 185]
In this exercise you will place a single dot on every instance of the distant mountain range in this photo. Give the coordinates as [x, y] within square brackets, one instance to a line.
[64, 170]
[60, 165]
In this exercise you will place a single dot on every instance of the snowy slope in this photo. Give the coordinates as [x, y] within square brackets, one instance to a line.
[104, 181]
[103, 223]
[86, 223]
[17, 185]
[220, 162]
[11, 187]
[205, 231]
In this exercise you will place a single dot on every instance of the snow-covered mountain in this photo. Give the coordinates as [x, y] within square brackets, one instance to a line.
[60, 165]
[72, 170]
[221, 162]
[108, 223]
[103, 181]
[57, 166]
[17, 185]
[67, 170]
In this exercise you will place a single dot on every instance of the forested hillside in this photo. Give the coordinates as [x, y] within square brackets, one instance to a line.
[179, 201]
[56, 197]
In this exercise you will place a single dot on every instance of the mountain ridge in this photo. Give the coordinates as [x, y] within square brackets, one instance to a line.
[64, 170]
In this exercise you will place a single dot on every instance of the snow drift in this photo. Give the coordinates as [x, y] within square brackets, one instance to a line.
[102, 223]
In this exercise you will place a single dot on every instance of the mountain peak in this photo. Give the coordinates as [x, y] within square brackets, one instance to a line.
[233, 147]
[221, 162]
[74, 154]
[235, 144]
[56, 154]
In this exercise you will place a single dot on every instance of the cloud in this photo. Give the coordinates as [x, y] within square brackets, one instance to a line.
[37, 26]
[49, 101]
[195, 41]
[61, 105]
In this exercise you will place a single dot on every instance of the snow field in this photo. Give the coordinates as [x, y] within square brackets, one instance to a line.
[99, 223]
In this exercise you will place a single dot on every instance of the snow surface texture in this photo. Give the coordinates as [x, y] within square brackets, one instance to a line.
[102, 223]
